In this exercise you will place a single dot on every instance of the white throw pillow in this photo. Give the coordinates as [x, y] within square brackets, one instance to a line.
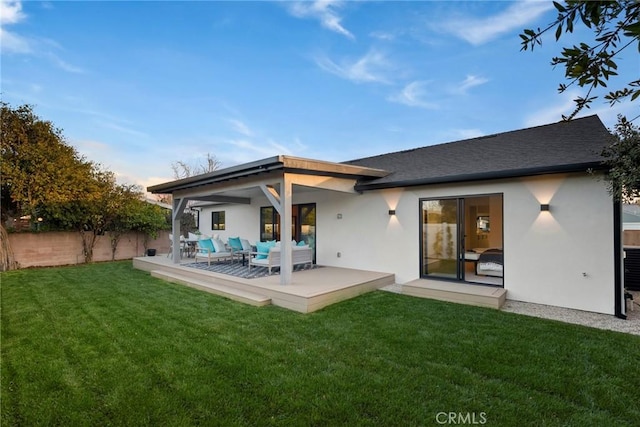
[246, 246]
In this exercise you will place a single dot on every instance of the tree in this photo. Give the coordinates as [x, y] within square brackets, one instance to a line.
[149, 219]
[40, 172]
[124, 203]
[182, 169]
[7, 259]
[89, 214]
[44, 177]
[623, 160]
[38, 166]
[616, 27]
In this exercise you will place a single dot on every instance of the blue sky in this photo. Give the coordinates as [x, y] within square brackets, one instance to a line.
[136, 86]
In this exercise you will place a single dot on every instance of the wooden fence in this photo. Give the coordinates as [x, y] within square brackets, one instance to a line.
[55, 248]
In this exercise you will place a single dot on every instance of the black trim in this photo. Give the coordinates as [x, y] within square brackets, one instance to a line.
[617, 260]
[512, 173]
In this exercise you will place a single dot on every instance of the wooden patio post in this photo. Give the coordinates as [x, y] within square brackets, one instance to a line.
[178, 211]
[286, 261]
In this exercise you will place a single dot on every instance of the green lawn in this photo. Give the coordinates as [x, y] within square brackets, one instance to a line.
[106, 344]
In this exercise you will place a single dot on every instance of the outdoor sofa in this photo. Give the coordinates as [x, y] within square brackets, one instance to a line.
[299, 255]
[212, 249]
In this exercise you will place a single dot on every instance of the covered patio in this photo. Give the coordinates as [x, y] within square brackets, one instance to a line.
[308, 290]
[278, 179]
[275, 181]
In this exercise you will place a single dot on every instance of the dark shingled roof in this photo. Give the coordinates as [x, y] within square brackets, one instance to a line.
[560, 147]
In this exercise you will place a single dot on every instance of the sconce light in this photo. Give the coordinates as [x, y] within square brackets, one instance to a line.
[339, 216]
[392, 211]
[544, 208]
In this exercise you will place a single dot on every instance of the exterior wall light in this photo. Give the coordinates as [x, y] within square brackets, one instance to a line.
[544, 208]
[392, 211]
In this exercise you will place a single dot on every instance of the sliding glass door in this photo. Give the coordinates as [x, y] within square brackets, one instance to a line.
[462, 239]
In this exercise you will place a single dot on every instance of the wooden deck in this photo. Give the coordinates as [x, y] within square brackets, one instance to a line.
[309, 291]
[471, 294]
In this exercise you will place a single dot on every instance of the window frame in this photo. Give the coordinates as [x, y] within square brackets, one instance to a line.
[218, 221]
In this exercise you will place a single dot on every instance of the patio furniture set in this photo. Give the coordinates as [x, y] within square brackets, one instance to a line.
[262, 254]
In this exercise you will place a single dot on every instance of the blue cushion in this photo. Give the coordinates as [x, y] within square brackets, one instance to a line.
[263, 249]
[206, 244]
[235, 243]
[302, 243]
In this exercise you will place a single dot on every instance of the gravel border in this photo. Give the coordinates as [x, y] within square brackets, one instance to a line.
[595, 320]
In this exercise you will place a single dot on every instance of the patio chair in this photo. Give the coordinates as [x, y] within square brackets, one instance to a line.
[239, 247]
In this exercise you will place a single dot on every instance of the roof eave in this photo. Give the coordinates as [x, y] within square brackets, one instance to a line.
[287, 164]
[512, 173]
[260, 166]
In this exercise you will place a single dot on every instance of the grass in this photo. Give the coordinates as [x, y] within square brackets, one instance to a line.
[105, 344]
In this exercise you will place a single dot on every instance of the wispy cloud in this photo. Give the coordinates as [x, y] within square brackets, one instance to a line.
[268, 149]
[460, 134]
[240, 127]
[383, 35]
[468, 83]
[62, 64]
[325, 11]
[552, 113]
[123, 129]
[479, 31]
[373, 67]
[413, 95]
[564, 104]
[12, 42]
[10, 14]
[92, 149]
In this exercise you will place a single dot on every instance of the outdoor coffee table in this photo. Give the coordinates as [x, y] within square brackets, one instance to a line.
[244, 255]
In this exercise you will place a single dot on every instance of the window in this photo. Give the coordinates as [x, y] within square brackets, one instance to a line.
[217, 220]
[303, 224]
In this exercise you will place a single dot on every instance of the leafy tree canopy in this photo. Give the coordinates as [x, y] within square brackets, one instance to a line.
[616, 27]
[38, 166]
[623, 159]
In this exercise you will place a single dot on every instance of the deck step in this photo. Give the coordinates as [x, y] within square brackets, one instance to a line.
[214, 288]
[483, 296]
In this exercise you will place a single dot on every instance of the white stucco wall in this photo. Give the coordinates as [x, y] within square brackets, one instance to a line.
[563, 257]
[240, 221]
[571, 261]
